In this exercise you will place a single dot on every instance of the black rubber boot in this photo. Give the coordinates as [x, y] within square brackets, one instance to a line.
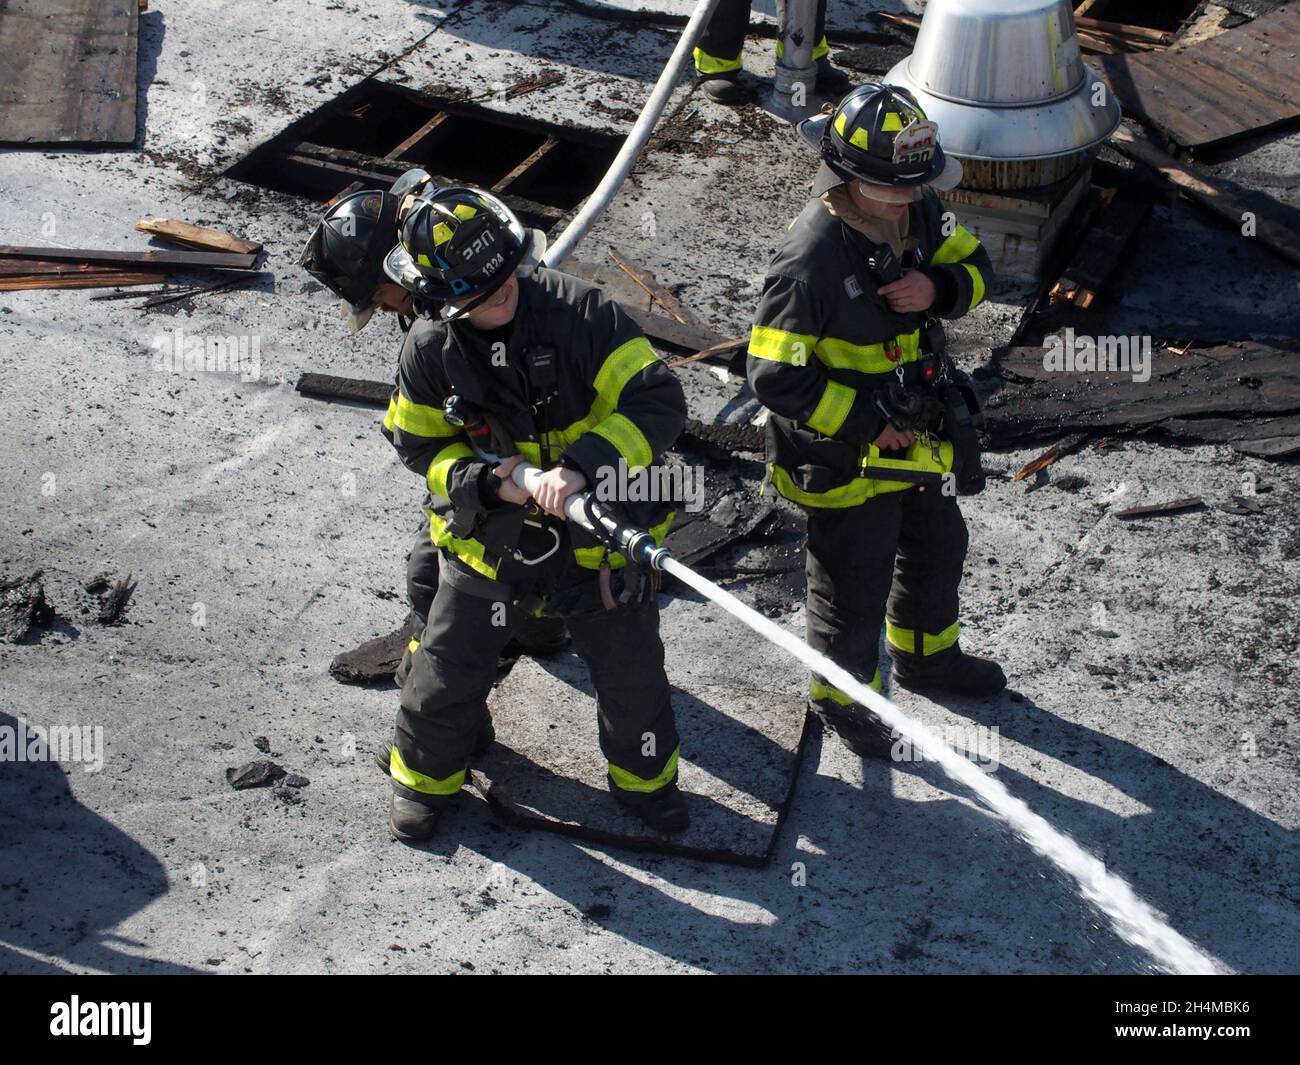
[950, 671]
[663, 810]
[721, 88]
[413, 816]
[862, 731]
[831, 80]
[538, 637]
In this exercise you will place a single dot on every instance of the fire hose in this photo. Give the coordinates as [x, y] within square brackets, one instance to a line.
[1131, 917]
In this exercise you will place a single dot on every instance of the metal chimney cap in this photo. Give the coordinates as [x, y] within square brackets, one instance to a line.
[1003, 53]
[974, 131]
[1004, 80]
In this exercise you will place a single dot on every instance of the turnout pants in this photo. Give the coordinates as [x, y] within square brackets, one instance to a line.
[724, 37]
[895, 559]
[422, 584]
[444, 697]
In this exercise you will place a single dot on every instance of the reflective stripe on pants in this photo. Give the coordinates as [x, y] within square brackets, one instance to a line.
[901, 550]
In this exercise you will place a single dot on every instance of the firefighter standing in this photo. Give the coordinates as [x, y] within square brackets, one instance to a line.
[564, 379]
[717, 56]
[870, 427]
[345, 253]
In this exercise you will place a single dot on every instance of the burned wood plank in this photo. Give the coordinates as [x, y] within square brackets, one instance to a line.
[1275, 227]
[1052, 454]
[174, 259]
[199, 237]
[376, 174]
[1101, 251]
[522, 168]
[422, 139]
[17, 275]
[1271, 447]
[70, 71]
[351, 389]
[1211, 394]
[1174, 506]
[89, 280]
[1123, 30]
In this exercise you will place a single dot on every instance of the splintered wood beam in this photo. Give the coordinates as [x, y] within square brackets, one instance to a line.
[547, 147]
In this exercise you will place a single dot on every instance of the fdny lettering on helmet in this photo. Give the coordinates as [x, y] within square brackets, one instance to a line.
[916, 142]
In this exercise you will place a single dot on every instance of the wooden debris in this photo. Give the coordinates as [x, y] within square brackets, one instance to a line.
[1229, 392]
[217, 286]
[129, 295]
[1269, 447]
[23, 606]
[113, 604]
[657, 292]
[19, 275]
[192, 236]
[1275, 227]
[532, 84]
[1241, 81]
[353, 389]
[1056, 451]
[1174, 506]
[716, 349]
[176, 260]
[1101, 250]
[910, 22]
[70, 71]
[1138, 35]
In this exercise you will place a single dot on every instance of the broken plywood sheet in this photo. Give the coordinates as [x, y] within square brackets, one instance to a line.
[70, 71]
[1237, 82]
[740, 759]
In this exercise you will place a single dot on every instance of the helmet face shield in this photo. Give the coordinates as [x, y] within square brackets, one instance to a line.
[892, 194]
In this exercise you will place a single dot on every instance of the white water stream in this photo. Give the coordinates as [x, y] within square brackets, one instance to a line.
[1131, 918]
